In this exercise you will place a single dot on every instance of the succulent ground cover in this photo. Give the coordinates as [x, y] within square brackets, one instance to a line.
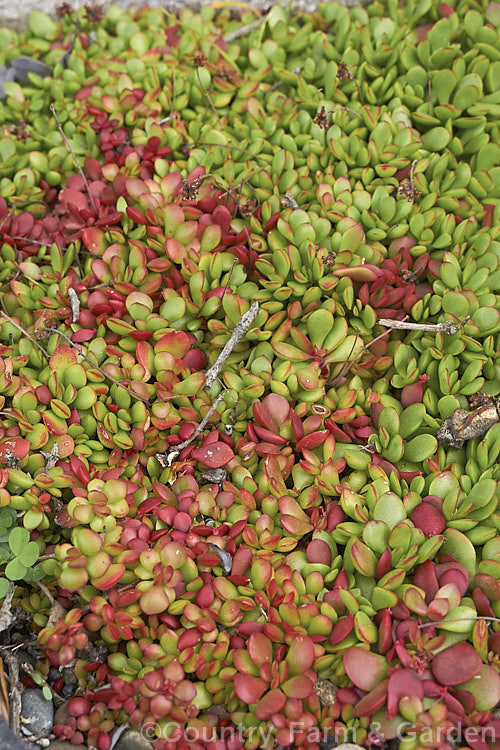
[272, 547]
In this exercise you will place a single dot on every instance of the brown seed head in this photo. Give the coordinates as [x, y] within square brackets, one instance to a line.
[479, 399]
[343, 72]
[190, 189]
[199, 60]
[247, 208]
[408, 275]
[321, 119]
[94, 13]
[408, 190]
[64, 9]
[330, 259]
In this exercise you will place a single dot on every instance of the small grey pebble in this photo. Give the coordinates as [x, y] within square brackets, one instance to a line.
[214, 475]
[6, 74]
[24, 65]
[37, 713]
[131, 739]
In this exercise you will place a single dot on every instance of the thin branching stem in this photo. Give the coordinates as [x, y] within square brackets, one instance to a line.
[103, 372]
[457, 619]
[243, 30]
[240, 331]
[209, 98]
[68, 145]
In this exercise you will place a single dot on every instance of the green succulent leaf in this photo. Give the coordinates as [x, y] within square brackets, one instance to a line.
[15, 570]
[420, 447]
[18, 539]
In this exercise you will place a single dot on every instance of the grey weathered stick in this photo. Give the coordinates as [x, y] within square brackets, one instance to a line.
[240, 331]
[447, 327]
[233, 35]
[75, 305]
[15, 693]
[165, 459]
[6, 616]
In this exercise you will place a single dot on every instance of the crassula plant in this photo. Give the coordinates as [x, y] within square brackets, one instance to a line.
[249, 336]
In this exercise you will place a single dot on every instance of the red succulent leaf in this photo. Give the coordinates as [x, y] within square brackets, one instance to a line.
[373, 701]
[341, 630]
[445, 10]
[271, 412]
[384, 564]
[84, 334]
[18, 447]
[270, 704]
[312, 440]
[466, 699]
[249, 689]
[482, 603]
[300, 686]
[456, 664]
[412, 393]
[176, 343]
[402, 683]
[260, 649]
[438, 609]
[425, 578]
[453, 704]
[271, 437]
[453, 572]
[488, 585]
[365, 273]
[213, 455]
[364, 668]
[428, 519]
[75, 198]
[300, 654]
[318, 551]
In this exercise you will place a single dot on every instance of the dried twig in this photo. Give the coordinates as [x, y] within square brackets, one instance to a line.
[208, 98]
[15, 693]
[75, 305]
[240, 331]
[447, 327]
[64, 59]
[4, 703]
[229, 278]
[77, 163]
[51, 458]
[166, 459]
[103, 372]
[347, 364]
[6, 616]
[344, 109]
[167, 119]
[47, 593]
[238, 33]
